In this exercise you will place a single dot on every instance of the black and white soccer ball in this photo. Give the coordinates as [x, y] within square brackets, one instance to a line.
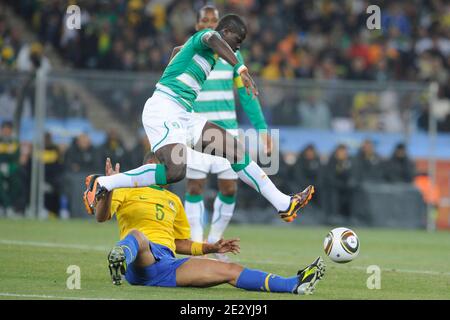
[341, 245]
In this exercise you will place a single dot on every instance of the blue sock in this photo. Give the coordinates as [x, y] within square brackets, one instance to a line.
[255, 280]
[130, 246]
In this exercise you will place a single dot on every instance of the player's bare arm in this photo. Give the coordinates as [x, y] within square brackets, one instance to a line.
[184, 246]
[225, 51]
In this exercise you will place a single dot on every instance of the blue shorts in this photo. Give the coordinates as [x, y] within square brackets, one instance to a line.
[162, 273]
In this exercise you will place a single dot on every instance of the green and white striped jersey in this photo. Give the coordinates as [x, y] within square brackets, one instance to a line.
[183, 78]
[216, 100]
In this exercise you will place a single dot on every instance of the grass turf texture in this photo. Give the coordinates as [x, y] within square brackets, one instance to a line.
[35, 256]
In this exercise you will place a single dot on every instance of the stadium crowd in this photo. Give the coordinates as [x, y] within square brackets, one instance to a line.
[321, 40]
[318, 39]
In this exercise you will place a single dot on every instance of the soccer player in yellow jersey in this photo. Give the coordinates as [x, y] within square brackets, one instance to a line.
[153, 227]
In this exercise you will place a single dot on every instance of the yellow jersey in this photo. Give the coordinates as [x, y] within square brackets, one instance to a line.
[154, 211]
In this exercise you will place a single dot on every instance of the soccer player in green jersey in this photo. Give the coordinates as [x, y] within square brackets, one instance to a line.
[171, 125]
[216, 103]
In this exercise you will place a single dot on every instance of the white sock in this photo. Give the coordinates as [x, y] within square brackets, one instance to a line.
[255, 177]
[195, 207]
[143, 176]
[223, 211]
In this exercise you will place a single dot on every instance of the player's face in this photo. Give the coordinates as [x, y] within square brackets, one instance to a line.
[208, 20]
[234, 40]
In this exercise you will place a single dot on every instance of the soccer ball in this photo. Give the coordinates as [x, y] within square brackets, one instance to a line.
[341, 245]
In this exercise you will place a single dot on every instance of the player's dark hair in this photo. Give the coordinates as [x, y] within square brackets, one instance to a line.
[234, 23]
[150, 156]
[205, 8]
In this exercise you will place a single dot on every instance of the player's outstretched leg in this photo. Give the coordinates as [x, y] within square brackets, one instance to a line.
[207, 272]
[215, 140]
[167, 166]
[309, 276]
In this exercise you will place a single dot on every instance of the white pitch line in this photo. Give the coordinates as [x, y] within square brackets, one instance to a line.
[103, 249]
[53, 245]
[17, 295]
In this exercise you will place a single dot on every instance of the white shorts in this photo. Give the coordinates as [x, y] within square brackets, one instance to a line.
[200, 164]
[166, 122]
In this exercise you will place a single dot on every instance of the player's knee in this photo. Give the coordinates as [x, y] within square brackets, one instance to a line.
[175, 173]
[194, 187]
[229, 189]
[141, 239]
[233, 270]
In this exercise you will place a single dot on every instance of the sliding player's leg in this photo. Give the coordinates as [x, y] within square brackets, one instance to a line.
[215, 140]
[133, 250]
[208, 272]
[193, 202]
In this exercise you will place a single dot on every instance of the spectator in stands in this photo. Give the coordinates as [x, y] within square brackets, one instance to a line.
[399, 168]
[57, 102]
[8, 103]
[31, 58]
[366, 111]
[26, 150]
[76, 107]
[430, 191]
[314, 112]
[338, 181]
[54, 173]
[113, 148]
[308, 171]
[367, 165]
[81, 155]
[335, 34]
[10, 178]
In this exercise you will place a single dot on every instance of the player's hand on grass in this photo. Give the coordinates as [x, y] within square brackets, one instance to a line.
[109, 171]
[250, 85]
[230, 245]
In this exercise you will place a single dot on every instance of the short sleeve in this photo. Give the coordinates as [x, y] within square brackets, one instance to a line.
[199, 39]
[117, 199]
[181, 226]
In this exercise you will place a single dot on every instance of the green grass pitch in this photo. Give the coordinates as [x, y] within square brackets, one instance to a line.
[35, 256]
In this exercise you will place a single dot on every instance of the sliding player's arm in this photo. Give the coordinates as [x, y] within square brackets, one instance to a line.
[252, 108]
[103, 206]
[221, 47]
[189, 247]
[182, 233]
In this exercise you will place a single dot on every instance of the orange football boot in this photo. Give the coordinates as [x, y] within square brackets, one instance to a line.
[93, 192]
[298, 201]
